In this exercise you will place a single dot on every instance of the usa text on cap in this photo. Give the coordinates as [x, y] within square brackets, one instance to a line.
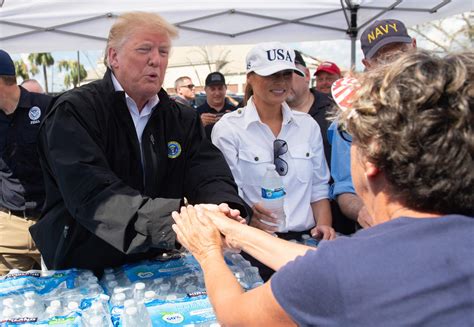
[269, 58]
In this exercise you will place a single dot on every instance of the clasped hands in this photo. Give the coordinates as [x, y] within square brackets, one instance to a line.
[205, 229]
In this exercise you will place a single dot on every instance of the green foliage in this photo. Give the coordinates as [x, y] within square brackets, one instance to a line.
[21, 69]
[74, 75]
[44, 59]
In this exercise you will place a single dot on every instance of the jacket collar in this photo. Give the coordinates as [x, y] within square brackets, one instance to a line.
[108, 83]
[25, 99]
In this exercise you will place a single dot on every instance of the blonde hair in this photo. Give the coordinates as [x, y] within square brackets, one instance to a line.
[414, 120]
[127, 23]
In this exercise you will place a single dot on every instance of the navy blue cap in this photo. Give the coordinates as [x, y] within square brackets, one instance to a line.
[7, 67]
[381, 33]
[215, 78]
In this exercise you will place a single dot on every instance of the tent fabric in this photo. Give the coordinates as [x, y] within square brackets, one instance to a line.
[64, 25]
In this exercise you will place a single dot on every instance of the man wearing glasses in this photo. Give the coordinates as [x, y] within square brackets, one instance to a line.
[185, 90]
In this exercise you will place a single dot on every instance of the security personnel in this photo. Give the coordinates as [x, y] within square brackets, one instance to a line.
[216, 104]
[22, 187]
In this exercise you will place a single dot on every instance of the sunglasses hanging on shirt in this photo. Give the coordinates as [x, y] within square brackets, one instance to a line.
[280, 147]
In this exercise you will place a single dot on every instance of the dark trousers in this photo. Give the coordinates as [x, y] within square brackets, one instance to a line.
[265, 271]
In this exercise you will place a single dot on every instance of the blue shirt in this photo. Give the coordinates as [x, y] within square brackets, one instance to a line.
[340, 163]
[405, 272]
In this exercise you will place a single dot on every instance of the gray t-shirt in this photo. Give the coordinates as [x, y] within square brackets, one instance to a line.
[406, 272]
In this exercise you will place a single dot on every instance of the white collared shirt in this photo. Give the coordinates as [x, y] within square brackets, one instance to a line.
[247, 145]
[140, 119]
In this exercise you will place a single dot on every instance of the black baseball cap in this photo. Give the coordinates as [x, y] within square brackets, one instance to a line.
[7, 67]
[299, 59]
[381, 33]
[215, 78]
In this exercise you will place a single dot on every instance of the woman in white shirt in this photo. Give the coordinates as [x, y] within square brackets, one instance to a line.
[248, 136]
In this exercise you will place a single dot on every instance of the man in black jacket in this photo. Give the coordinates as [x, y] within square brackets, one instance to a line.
[119, 156]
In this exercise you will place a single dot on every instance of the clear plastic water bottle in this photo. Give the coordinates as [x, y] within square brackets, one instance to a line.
[150, 296]
[8, 313]
[253, 277]
[273, 196]
[139, 292]
[32, 309]
[132, 318]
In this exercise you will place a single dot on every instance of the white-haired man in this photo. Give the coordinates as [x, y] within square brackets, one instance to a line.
[119, 156]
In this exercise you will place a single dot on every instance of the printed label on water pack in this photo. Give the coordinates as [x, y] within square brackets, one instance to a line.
[181, 312]
[268, 193]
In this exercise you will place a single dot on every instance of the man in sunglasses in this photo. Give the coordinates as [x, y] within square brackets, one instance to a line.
[382, 43]
[185, 90]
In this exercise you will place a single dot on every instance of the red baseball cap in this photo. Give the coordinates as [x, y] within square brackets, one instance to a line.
[328, 67]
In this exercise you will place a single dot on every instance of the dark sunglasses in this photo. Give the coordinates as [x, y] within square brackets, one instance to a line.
[190, 86]
[341, 129]
[280, 147]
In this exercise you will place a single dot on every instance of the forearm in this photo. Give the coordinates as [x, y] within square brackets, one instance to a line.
[350, 205]
[322, 212]
[269, 250]
[233, 306]
[218, 277]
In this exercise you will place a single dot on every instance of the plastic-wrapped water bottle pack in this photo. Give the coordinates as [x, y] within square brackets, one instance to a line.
[149, 293]
[60, 297]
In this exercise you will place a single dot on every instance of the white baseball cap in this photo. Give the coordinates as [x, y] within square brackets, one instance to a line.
[269, 58]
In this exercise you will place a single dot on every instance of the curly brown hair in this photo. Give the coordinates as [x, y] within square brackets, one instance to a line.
[414, 120]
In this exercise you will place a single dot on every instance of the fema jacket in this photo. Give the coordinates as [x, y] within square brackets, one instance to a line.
[21, 182]
[102, 208]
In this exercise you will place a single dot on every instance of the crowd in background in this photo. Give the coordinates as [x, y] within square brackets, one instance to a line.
[116, 171]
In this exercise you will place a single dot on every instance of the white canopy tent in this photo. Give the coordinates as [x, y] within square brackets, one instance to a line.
[62, 25]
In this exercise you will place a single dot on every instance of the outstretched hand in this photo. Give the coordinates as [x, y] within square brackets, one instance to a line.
[228, 227]
[225, 209]
[197, 233]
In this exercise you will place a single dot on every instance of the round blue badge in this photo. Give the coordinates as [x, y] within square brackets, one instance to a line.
[174, 149]
[34, 113]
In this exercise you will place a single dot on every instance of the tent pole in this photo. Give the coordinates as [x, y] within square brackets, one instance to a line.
[78, 69]
[353, 34]
[353, 52]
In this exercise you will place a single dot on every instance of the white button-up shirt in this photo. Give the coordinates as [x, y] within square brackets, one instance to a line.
[140, 119]
[247, 145]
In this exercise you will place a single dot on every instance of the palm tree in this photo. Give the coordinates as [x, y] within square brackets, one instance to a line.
[21, 69]
[44, 59]
[74, 75]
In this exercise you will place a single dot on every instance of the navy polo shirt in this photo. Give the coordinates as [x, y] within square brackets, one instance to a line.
[205, 108]
[22, 186]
